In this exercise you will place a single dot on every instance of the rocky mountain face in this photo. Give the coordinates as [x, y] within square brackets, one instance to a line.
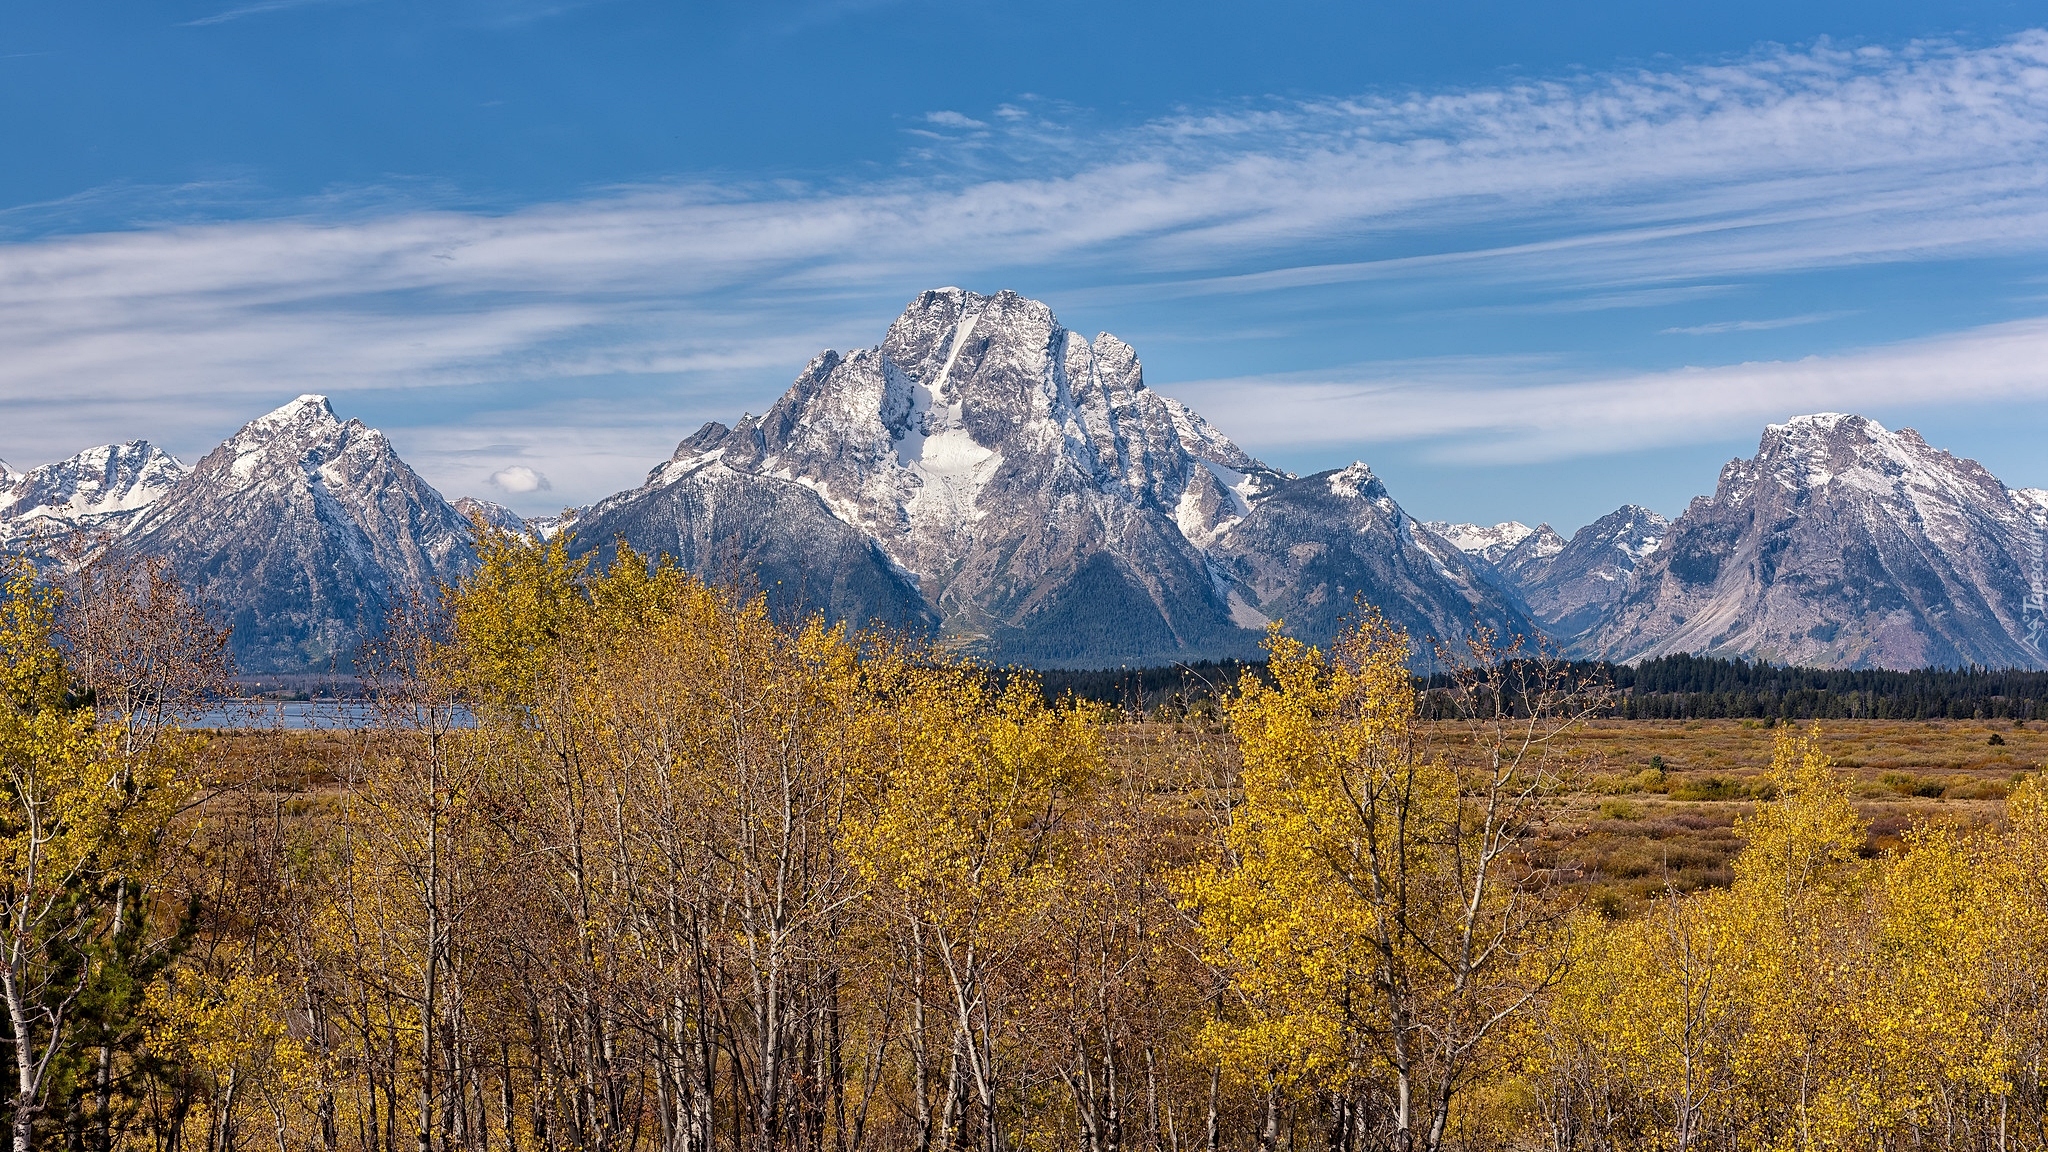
[100, 491]
[1841, 544]
[986, 469]
[1311, 547]
[495, 515]
[1571, 586]
[757, 533]
[304, 528]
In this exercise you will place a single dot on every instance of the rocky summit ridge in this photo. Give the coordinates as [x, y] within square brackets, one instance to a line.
[986, 471]
[986, 476]
[1843, 544]
[304, 529]
[98, 491]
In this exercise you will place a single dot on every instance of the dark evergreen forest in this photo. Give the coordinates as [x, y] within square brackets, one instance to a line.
[1683, 687]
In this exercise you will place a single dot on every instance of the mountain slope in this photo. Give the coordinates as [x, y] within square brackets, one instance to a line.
[757, 532]
[495, 515]
[1840, 544]
[1308, 550]
[304, 529]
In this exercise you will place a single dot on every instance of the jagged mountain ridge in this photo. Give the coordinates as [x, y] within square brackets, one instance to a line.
[99, 491]
[1567, 586]
[496, 515]
[1841, 544]
[1042, 503]
[1572, 586]
[1313, 545]
[304, 529]
[989, 476]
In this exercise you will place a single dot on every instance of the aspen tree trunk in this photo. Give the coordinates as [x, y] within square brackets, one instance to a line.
[836, 1072]
[920, 1065]
[1113, 1133]
[1082, 1083]
[103, 1062]
[506, 1118]
[27, 1072]
[1151, 1100]
[1213, 1133]
[1404, 1134]
[429, 1005]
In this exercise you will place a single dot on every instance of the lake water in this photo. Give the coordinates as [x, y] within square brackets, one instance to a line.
[290, 714]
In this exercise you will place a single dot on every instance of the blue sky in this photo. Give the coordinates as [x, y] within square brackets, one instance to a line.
[1530, 261]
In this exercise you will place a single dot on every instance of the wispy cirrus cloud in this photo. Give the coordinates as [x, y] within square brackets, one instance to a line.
[1519, 410]
[1579, 193]
[258, 9]
[1720, 327]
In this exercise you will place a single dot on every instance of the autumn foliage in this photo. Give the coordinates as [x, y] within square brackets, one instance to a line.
[626, 864]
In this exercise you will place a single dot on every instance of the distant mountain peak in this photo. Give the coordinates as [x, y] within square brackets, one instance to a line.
[1355, 480]
[1571, 584]
[1840, 543]
[494, 514]
[1489, 542]
[305, 528]
[309, 411]
[101, 489]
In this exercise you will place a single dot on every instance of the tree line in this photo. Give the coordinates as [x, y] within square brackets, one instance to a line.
[1677, 687]
[626, 865]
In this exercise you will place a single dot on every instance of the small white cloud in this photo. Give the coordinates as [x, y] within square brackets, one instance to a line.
[519, 479]
[949, 119]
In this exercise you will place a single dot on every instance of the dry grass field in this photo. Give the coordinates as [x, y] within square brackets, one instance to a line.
[1653, 803]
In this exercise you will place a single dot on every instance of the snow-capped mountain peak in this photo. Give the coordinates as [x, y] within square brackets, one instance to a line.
[1355, 480]
[1489, 542]
[1016, 479]
[1840, 543]
[309, 526]
[310, 412]
[102, 489]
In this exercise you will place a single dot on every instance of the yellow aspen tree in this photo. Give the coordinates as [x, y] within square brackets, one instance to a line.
[1936, 1048]
[961, 842]
[1799, 890]
[2015, 972]
[1379, 925]
[73, 822]
[1636, 1041]
[231, 1032]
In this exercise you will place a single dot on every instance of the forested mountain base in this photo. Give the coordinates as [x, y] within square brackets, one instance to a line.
[695, 881]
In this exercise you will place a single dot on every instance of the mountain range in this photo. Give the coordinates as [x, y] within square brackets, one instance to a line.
[1015, 490]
